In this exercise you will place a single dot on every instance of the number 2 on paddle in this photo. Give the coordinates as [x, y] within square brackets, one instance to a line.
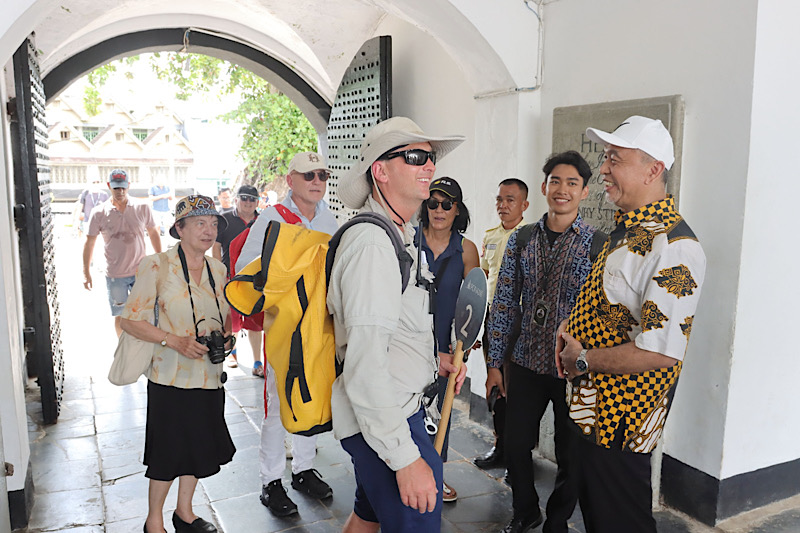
[467, 321]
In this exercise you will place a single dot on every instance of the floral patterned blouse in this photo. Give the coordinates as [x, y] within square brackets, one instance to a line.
[175, 316]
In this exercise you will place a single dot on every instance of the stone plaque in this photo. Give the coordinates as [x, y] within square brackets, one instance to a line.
[569, 133]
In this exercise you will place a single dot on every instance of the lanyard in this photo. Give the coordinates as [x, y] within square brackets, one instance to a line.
[548, 265]
[189, 286]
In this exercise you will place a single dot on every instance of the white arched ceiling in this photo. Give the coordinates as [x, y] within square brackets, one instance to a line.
[317, 39]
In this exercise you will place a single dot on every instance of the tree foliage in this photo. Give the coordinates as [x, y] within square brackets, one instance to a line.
[96, 78]
[274, 128]
[275, 131]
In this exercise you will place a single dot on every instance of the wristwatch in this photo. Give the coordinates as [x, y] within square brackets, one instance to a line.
[580, 362]
[164, 342]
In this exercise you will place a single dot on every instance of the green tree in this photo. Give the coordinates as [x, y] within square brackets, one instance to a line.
[96, 79]
[275, 129]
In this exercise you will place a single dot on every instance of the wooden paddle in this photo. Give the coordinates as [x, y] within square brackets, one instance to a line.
[470, 311]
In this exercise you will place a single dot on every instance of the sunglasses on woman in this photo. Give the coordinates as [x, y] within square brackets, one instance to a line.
[416, 157]
[433, 203]
[321, 174]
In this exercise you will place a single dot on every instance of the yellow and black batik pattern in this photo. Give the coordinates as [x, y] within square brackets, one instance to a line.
[601, 403]
[676, 280]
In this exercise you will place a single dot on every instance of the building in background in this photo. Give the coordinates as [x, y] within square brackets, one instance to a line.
[150, 146]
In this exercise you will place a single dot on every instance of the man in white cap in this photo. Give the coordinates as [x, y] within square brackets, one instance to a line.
[384, 336]
[123, 224]
[622, 346]
[307, 180]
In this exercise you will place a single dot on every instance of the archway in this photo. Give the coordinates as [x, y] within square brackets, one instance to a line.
[311, 102]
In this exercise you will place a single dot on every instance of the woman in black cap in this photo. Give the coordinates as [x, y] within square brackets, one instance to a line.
[181, 292]
[450, 256]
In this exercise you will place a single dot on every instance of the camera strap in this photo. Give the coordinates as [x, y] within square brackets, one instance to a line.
[211, 282]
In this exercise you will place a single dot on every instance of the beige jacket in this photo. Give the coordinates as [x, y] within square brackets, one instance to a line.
[385, 339]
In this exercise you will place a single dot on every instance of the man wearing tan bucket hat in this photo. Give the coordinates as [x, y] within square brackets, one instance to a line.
[384, 336]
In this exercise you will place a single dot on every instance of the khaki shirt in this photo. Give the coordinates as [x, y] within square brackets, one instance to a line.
[494, 244]
[385, 339]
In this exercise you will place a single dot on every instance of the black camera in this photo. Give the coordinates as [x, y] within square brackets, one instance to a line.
[216, 346]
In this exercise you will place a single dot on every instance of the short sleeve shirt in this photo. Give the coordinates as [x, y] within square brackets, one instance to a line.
[494, 245]
[123, 234]
[643, 288]
[175, 316]
[236, 225]
[161, 205]
[91, 199]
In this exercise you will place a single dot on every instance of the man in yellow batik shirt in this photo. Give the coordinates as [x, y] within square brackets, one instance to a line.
[623, 345]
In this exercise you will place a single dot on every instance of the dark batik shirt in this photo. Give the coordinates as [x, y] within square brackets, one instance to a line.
[568, 264]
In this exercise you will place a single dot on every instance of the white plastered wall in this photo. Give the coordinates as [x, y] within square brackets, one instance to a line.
[436, 94]
[762, 417]
[618, 50]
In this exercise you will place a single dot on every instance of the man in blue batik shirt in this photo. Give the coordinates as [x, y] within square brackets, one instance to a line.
[552, 266]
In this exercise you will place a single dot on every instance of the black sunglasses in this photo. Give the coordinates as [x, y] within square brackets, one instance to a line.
[432, 204]
[416, 157]
[321, 174]
[248, 198]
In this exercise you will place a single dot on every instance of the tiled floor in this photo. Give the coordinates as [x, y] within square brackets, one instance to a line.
[89, 477]
[88, 473]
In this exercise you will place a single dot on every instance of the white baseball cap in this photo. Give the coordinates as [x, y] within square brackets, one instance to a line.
[306, 162]
[642, 133]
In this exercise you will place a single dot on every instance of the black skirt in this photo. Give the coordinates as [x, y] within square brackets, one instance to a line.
[186, 433]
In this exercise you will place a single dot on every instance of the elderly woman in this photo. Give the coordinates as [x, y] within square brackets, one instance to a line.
[186, 435]
[450, 256]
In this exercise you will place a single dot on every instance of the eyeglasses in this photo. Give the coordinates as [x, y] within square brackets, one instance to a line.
[321, 174]
[416, 157]
[433, 204]
[248, 198]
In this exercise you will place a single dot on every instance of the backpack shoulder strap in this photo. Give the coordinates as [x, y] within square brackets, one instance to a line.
[524, 235]
[403, 257]
[287, 215]
[599, 240]
[235, 249]
[259, 279]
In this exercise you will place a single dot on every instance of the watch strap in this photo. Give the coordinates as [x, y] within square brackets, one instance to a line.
[582, 358]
